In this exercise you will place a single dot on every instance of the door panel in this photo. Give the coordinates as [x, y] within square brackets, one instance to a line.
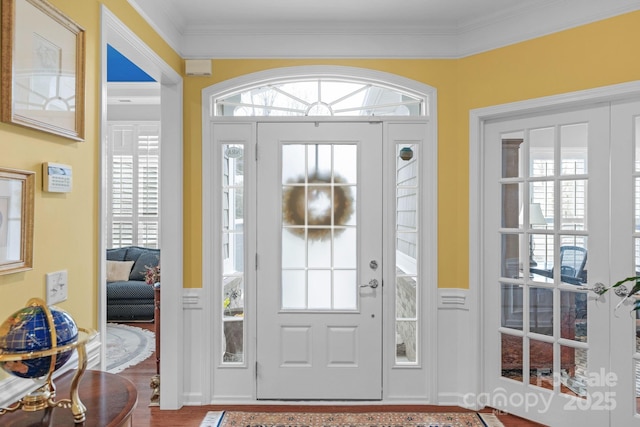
[546, 240]
[625, 260]
[319, 227]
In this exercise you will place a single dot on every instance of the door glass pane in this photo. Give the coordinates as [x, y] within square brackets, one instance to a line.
[573, 316]
[541, 152]
[511, 350]
[232, 252]
[294, 289]
[295, 167]
[542, 202]
[406, 335]
[511, 262]
[512, 314]
[573, 149]
[511, 202]
[319, 226]
[319, 289]
[511, 156]
[345, 249]
[541, 311]
[541, 364]
[573, 371]
[345, 295]
[573, 259]
[573, 204]
[407, 286]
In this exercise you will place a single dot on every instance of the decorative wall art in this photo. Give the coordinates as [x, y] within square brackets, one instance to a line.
[43, 60]
[16, 220]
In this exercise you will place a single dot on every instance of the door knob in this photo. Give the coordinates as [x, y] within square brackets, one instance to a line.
[373, 283]
[599, 288]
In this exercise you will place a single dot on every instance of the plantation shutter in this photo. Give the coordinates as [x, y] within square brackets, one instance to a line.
[134, 193]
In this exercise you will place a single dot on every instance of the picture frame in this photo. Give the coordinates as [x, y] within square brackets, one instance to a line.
[17, 192]
[43, 69]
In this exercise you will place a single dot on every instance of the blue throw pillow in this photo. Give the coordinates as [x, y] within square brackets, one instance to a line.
[149, 257]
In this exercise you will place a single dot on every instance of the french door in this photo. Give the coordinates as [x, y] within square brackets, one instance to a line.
[319, 276]
[561, 217]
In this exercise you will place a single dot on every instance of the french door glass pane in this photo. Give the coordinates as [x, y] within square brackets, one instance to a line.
[541, 311]
[512, 314]
[573, 371]
[541, 364]
[573, 149]
[319, 227]
[512, 361]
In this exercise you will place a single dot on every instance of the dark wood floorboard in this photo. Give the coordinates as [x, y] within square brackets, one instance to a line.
[191, 416]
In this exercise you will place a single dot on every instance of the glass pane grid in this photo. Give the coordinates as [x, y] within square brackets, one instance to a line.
[540, 304]
[320, 97]
[319, 231]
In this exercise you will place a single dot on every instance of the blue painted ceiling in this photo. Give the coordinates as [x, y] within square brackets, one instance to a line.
[121, 69]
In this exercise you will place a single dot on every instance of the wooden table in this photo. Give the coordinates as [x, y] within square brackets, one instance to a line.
[109, 398]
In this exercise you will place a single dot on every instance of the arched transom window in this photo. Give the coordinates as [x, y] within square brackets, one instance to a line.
[321, 96]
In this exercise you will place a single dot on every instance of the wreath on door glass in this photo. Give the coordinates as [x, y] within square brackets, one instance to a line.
[320, 209]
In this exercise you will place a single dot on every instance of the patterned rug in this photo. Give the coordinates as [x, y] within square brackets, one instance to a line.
[365, 419]
[127, 346]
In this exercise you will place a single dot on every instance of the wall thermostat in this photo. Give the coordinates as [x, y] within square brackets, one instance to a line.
[57, 177]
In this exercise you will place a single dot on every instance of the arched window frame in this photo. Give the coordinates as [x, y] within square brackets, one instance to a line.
[415, 94]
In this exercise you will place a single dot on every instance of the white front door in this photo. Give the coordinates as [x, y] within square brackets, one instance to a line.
[546, 221]
[319, 275]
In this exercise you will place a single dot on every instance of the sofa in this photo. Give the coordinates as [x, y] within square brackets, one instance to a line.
[129, 297]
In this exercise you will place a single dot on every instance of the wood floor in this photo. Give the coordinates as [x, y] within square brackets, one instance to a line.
[191, 416]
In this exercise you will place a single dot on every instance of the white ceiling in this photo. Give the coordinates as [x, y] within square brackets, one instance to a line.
[362, 28]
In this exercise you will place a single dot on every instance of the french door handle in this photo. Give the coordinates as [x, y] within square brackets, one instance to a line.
[599, 288]
[373, 283]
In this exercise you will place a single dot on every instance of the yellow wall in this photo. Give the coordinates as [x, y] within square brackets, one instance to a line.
[66, 234]
[599, 54]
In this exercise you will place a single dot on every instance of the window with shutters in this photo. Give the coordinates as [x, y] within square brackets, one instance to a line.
[134, 185]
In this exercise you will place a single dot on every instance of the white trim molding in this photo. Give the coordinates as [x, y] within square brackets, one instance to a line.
[376, 39]
[116, 34]
[396, 377]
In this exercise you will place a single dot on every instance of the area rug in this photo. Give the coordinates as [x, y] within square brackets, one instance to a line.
[127, 346]
[340, 419]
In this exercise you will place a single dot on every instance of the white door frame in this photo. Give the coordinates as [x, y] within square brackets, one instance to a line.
[115, 33]
[394, 377]
[477, 119]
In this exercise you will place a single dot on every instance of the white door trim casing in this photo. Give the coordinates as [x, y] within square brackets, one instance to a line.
[428, 256]
[115, 33]
[477, 120]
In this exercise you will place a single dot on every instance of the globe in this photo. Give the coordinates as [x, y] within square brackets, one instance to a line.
[28, 330]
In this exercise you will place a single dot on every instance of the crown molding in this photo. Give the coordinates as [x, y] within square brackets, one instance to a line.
[514, 25]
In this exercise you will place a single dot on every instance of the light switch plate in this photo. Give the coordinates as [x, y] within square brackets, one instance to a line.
[57, 287]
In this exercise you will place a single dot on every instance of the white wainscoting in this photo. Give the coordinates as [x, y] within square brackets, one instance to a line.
[196, 353]
[457, 354]
[458, 347]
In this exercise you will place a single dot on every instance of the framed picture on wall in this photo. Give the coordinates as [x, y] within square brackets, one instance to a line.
[43, 62]
[16, 220]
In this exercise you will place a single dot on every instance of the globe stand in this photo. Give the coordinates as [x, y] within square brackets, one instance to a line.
[44, 396]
